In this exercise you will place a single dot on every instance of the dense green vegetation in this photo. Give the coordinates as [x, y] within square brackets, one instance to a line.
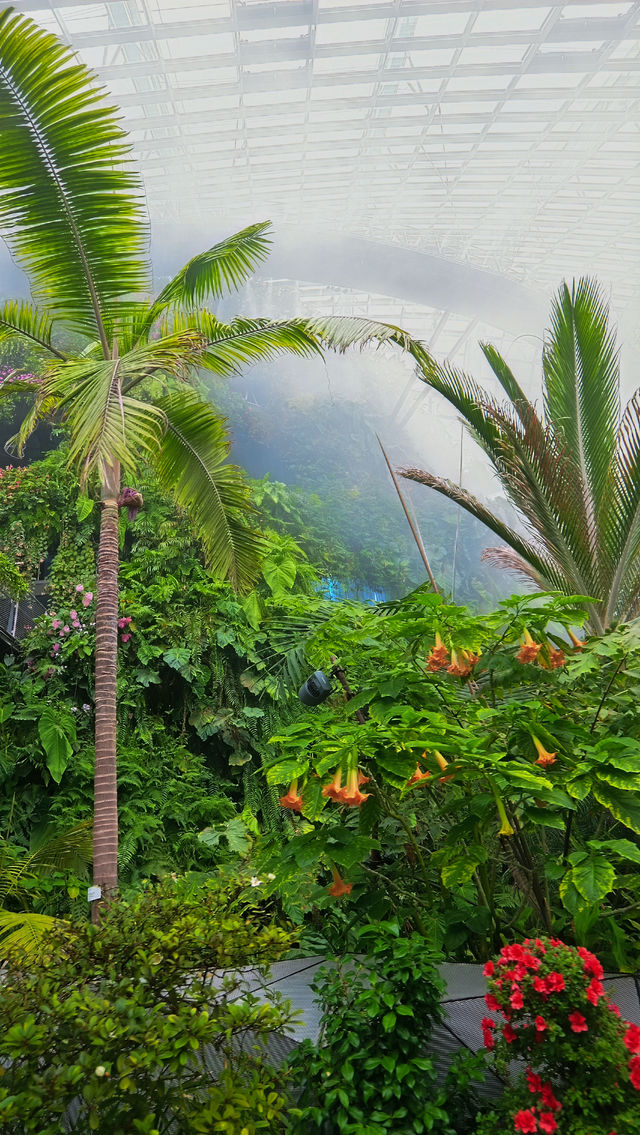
[471, 778]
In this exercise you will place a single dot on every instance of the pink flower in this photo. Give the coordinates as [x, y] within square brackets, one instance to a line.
[66, 629]
[56, 623]
[56, 648]
[73, 615]
[126, 637]
[578, 1023]
[79, 587]
[87, 599]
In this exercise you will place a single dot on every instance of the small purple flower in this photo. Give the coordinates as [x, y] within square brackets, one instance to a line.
[74, 709]
[126, 637]
[86, 708]
[79, 587]
[56, 648]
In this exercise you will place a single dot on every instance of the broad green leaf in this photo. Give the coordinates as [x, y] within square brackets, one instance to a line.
[254, 609]
[625, 806]
[5, 711]
[55, 743]
[280, 575]
[622, 847]
[460, 869]
[84, 508]
[593, 878]
[237, 836]
[177, 657]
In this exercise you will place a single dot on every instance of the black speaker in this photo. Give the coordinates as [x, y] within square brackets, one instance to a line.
[316, 689]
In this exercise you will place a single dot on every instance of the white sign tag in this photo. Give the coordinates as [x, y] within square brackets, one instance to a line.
[94, 893]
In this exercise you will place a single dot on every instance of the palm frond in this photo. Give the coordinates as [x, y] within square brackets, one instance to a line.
[509, 560]
[59, 851]
[231, 346]
[22, 320]
[222, 268]
[106, 423]
[341, 332]
[44, 406]
[70, 203]
[544, 566]
[22, 933]
[480, 412]
[192, 464]
[621, 516]
[582, 388]
[509, 384]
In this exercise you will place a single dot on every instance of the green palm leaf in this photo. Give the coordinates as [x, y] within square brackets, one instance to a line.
[582, 388]
[222, 268]
[22, 933]
[192, 464]
[343, 331]
[70, 205]
[229, 347]
[532, 562]
[21, 320]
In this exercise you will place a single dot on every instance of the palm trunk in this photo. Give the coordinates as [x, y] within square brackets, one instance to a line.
[105, 819]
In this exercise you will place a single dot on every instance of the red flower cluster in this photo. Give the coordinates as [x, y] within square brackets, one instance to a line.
[547, 992]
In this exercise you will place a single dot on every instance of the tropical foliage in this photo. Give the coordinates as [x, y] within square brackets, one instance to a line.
[572, 472]
[71, 210]
[119, 1032]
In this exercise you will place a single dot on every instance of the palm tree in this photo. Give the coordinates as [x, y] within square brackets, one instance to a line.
[72, 212]
[572, 472]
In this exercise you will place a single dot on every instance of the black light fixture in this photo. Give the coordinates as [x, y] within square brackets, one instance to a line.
[316, 689]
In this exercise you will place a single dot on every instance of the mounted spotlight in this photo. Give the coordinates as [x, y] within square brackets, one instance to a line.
[316, 689]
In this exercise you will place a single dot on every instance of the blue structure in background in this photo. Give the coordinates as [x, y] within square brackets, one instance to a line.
[334, 590]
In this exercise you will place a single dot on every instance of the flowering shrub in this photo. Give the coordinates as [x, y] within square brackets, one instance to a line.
[549, 1008]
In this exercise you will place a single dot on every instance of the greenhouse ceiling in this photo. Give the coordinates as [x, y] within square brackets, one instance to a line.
[495, 136]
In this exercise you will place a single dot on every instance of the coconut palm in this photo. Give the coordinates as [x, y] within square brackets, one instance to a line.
[572, 471]
[121, 369]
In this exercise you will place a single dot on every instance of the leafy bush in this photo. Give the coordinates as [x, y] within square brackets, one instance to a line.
[369, 1073]
[117, 1030]
[582, 1062]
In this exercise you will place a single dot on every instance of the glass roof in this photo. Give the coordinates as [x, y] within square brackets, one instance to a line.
[500, 135]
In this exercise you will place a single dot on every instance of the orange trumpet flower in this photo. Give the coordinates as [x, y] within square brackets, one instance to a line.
[351, 793]
[292, 800]
[544, 758]
[339, 887]
[332, 790]
[418, 776]
[529, 649]
[438, 656]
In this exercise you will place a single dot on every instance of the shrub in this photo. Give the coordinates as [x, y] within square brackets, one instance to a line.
[581, 1071]
[119, 1027]
[369, 1073]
